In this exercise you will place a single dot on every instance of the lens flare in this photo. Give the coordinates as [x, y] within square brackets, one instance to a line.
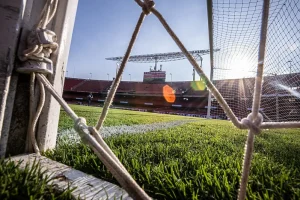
[169, 94]
[198, 85]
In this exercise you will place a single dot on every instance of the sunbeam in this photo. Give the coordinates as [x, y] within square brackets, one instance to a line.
[290, 90]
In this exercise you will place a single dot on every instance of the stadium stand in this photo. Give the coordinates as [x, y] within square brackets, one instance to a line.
[70, 83]
[237, 93]
[139, 95]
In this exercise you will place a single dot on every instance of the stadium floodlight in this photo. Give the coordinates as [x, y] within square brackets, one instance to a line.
[290, 61]
[117, 69]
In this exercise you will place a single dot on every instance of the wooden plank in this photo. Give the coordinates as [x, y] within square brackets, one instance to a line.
[87, 186]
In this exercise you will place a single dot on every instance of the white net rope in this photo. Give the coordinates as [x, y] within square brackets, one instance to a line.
[236, 31]
[253, 122]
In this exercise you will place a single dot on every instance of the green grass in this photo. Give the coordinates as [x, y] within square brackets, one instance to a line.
[198, 160]
[115, 117]
[30, 183]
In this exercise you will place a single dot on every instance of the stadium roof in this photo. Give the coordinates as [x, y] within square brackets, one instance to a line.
[163, 57]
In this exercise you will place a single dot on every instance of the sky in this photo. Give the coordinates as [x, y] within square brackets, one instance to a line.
[103, 29]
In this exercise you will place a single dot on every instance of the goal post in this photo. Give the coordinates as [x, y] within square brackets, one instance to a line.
[63, 26]
[211, 55]
[23, 15]
[11, 15]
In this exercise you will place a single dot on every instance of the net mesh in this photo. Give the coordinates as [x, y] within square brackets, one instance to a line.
[236, 32]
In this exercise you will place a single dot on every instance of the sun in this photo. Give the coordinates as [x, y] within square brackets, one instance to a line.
[240, 67]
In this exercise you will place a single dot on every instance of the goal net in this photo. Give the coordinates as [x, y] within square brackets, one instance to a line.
[236, 32]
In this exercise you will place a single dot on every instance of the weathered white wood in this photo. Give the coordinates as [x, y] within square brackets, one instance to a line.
[63, 26]
[87, 186]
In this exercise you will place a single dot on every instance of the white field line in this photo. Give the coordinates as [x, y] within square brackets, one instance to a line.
[72, 136]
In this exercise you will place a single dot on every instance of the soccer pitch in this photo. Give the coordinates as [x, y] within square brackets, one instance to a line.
[195, 159]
